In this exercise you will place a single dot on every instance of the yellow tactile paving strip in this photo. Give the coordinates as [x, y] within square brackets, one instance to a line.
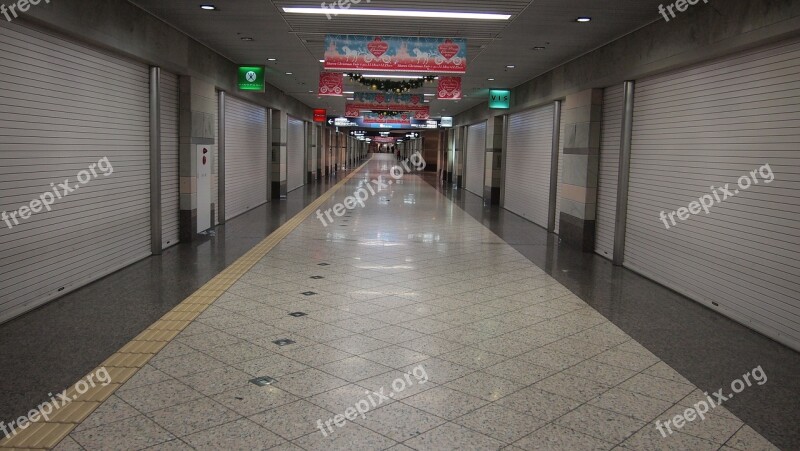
[123, 364]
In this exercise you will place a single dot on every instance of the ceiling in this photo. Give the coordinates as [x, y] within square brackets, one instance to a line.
[296, 40]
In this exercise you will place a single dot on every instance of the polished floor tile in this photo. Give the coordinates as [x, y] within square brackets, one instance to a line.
[488, 353]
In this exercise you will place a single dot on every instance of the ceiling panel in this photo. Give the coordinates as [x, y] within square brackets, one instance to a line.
[296, 40]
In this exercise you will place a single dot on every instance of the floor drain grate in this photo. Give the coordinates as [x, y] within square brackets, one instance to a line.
[298, 314]
[324, 264]
[284, 342]
[317, 277]
[308, 293]
[263, 381]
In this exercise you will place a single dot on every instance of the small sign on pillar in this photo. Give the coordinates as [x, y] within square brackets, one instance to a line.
[204, 153]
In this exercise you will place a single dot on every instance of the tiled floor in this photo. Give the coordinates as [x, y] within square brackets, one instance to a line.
[508, 356]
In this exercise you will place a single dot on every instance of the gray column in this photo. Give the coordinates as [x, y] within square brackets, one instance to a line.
[551, 218]
[221, 158]
[155, 160]
[197, 122]
[620, 228]
[582, 115]
[493, 160]
[280, 130]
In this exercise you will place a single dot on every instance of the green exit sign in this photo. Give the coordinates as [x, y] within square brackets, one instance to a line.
[499, 99]
[251, 78]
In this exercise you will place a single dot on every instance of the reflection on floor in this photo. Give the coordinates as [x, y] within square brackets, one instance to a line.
[493, 353]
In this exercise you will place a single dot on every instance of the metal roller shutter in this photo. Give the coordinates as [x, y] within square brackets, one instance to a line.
[610, 131]
[529, 147]
[476, 154]
[561, 139]
[215, 164]
[708, 126]
[295, 154]
[245, 156]
[170, 167]
[66, 107]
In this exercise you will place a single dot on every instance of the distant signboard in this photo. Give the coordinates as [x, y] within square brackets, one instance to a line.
[446, 122]
[320, 115]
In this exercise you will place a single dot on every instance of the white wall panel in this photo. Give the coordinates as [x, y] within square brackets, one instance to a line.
[245, 156]
[476, 154]
[66, 106]
[530, 148]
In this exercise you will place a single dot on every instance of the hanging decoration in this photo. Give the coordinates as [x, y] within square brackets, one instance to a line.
[395, 86]
[331, 84]
[396, 54]
[449, 88]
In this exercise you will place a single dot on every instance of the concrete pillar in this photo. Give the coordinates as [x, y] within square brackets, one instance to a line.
[311, 152]
[280, 130]
[582, 116]
[458, 156]
[494, 159]
[198, 118]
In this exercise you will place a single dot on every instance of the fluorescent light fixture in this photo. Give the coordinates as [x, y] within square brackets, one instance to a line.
[397, 13]
[490, 79]
[349, 92]
[583, 19]
[208, 7]
[321, 61]
[511, 66]
[271, 59]
[430, 95]
[405, 77]
[288, 73]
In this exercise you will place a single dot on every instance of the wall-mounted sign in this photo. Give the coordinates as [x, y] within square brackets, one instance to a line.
[331, 84]
[499, 99]
[320, 115]
[449, 88]
[363, 122]
[251, 78]
[396, 54]
[446, 122]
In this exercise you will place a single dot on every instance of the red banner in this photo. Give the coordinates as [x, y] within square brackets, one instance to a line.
[449, 88]
[396, 54]
[331, 84]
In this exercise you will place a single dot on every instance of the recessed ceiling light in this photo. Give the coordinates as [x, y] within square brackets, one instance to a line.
[246, 38]
[538, 47]
[511, 66]
[583, 19]
[351, 98]
[426, 101]
[288, 73]
[398, 13]
[271, 59]
[348, 92]
[208, 7]
[429, 95]
[490, 79]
